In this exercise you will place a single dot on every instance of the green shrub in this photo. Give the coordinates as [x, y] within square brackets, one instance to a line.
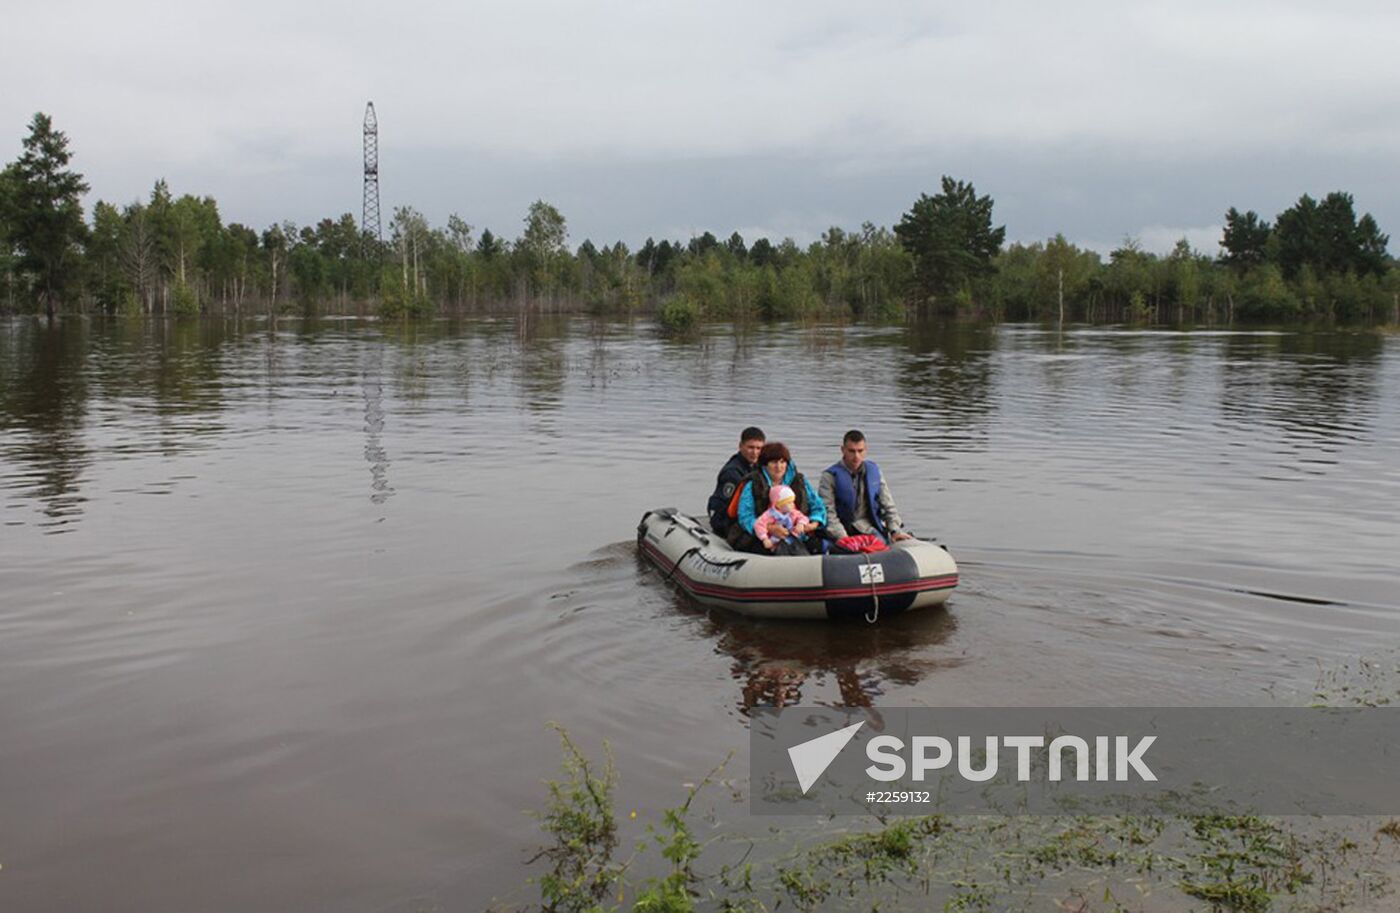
[1138, 308]
[679, 313]
[183, 301]
[1265, 294]
[396, 300]
[703, 282]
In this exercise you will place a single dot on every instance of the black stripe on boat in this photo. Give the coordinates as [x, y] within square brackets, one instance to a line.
[871, 574]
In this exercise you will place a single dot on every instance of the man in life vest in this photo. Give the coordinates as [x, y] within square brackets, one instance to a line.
[857, 497]
[751, 441]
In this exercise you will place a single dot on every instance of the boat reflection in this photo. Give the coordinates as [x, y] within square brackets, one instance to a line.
[785, 663]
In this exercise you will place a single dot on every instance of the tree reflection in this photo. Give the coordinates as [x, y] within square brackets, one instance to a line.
[946, 382]
[43, 406]
[1319, 389]
[543, 367]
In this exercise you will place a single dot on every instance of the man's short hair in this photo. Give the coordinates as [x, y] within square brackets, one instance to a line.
[853, 437]
[752, 433]
[777, 450]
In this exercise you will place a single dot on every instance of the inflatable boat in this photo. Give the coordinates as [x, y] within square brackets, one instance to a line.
[912, 574]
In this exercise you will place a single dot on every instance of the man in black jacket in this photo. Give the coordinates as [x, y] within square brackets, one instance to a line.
[751, 441]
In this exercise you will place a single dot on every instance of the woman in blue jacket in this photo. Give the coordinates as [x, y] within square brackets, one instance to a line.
[774, 466]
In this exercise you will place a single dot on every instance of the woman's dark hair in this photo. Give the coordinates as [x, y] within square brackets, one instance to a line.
[774, 450]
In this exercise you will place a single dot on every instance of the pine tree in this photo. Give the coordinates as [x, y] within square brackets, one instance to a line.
[1245, 239]
[45, 212]
[950, 237]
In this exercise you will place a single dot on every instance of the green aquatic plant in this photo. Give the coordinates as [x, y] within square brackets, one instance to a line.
[580, 820]
[1241, 862]
[675, 892]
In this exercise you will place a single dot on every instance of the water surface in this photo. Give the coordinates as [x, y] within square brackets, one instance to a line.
[285, 608]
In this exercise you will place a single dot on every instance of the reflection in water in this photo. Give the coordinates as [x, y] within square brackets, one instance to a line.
[543, 367]
[188, 376]
[780, 665]
[1320, 390]
[600, 370]
[43, 404]
[946, 387]
[372, 388]
[412, 348]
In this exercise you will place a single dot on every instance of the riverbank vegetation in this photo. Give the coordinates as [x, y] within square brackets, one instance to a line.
[1238, 863]
[173, 254]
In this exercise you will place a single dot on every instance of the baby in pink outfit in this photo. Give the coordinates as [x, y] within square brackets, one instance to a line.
[783, 513]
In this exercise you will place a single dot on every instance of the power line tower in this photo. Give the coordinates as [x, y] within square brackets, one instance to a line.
[369, 221]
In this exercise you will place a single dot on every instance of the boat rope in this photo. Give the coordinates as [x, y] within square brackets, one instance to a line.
[672, 572]
[875, 597]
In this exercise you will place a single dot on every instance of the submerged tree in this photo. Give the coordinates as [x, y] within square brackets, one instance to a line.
[44, 212]
[543, 246]
[410, 233]
[105, 275]
[950, 237]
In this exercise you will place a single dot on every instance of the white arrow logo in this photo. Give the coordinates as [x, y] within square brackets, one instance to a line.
[811, 759]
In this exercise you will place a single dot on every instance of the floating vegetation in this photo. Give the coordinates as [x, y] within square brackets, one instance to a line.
[1367, 682]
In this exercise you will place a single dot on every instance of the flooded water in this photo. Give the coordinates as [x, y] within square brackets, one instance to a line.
[285, 609]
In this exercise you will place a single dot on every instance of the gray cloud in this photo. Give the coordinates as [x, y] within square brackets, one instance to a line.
[1098, 120]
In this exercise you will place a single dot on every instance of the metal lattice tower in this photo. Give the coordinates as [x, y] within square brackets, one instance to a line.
[369, 221]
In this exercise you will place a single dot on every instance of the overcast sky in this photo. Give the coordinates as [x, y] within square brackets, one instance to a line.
[1098, 120]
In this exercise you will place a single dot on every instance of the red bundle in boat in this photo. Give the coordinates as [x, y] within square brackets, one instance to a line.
[865, 542]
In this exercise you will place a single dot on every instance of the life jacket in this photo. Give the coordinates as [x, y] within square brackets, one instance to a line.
[846, 494]
[727, 485]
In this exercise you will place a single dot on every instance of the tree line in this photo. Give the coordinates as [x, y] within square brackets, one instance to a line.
[168, 254]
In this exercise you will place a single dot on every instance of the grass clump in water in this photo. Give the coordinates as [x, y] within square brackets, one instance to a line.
[1241, 862]
[1369, 683]
[580, 821]
[676, 890]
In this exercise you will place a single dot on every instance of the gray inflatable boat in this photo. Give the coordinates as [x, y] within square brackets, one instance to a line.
[911, 575]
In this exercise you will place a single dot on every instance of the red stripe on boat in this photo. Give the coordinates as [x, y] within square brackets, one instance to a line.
[802, 594]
